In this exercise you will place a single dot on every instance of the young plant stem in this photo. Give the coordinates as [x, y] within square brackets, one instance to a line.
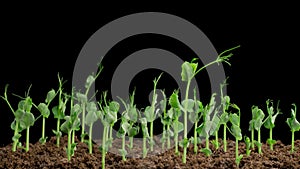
[151, 136]
[207, 142]
[69, 145]
[43, 128]
[224, 137]
[104, 146]
[236, 149]
[90, 139]
[185, 121]
[293, 139]
[57, 129]
[27, 139]
[144, 147]
[252, 138]
[83, 119]
[270, 135]
[259, 142]
[195, 138]
[123, 148]
[14, 147]
[216, 139]
[130, 142]
[168, 138]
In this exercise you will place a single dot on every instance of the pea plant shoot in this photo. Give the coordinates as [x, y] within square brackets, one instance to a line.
[189, 71]
[151, 112]
[255, 124]
[224, 118]
[131, 115]
[45, 112]
[166, 121]
[270, 121]
[71, 123]
[210, 123]
[174, 113]
[23, 119]
[59, 110]
[83, 97]
[235, 130]
[293, 124]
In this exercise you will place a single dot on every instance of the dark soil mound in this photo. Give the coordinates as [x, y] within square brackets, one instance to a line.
[49, 156]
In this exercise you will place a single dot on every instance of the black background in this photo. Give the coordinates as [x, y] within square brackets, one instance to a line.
[37, 42]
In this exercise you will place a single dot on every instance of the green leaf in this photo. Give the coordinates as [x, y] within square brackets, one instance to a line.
[91, 107]
[133, 131]
[66, 126]
[188, 105]
[224, 118]
[90, 118]
[178, 126]
[184, 142]
[27, 120]
[82, 98]
[268, 123]
[174, 101]
[89, 81]
[150, 116]
[111, 117]
[125, 126]
[236, 131]
[187, 72]
[234, 119]
[206, 151]
[50, 96]
[271, 141]
[16, 137]
[114, 106]
[19, 114]
[43, 108]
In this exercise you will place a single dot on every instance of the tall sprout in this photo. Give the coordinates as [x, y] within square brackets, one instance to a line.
[189, 71]
[224, 118]
[293, 124]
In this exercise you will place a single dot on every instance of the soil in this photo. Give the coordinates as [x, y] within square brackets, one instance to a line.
[50, 156]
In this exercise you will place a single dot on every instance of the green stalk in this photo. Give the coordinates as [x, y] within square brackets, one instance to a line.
[69, 145]
[252, 138]
[185, 121]
[14, 147]
[123, 148]
[57, 129]
[168, 138]
[130, 142]
[27, 139]
[293, 138]
[90, 139]
[207, 142]
[217, 139]
[259, 142]
[144, 147]
[73, 136]
[176, 143]
[163, 137]
[103, 146]
[224, 137]
[43, 129]
[271, 145]
[151, 136]
[236, 148]
[83, 120]
[195, 138]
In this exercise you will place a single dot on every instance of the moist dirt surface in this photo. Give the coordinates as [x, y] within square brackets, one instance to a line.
[50, 156]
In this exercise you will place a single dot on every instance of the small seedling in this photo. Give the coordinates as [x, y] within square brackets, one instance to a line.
[270, 122]
[174, 113]
[90, 119]
[224, 118]
[210, 123]
[236, 131]
[59, 110]
[71, 123]
[45, 112]
[145, 135]
[293, 124]
[248, 145]
[255, 124]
